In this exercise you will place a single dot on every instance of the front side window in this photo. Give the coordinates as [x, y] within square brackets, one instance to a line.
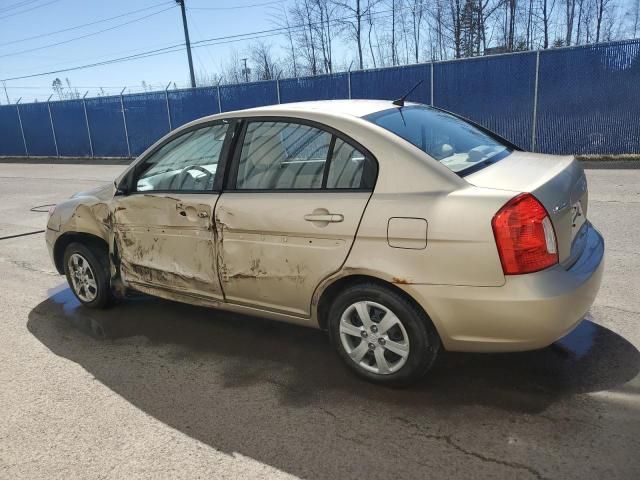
[460, 146]
[279, 155]
[186, 163]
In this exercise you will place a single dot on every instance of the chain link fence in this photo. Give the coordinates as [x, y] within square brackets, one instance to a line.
[578, 100]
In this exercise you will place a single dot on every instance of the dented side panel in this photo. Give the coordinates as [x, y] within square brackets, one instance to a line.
[167, 242]
[271, 257]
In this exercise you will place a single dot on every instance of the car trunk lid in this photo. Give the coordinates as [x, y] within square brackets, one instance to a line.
[558, 182]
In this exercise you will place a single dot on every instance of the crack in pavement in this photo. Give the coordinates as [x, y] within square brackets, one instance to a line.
[27, 266]
[635, 312]
[447, 439]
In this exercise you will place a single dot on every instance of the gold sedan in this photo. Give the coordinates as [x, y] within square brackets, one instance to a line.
[399, 228]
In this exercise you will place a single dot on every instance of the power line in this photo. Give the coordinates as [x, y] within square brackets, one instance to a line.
[83, 25]
[108, 56]
[237, 7]
[17, 5]
[84, 36]
[29, 9]
[151, 53]
[199, 43]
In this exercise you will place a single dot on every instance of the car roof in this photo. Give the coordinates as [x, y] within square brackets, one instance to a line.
[356, 108]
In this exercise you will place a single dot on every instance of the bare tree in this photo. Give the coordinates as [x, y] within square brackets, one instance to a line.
[601, 8]
[510, 24]
[546, 13]
[354, 13]
[57, 87]
[232, 70]
[265, 66]
[292, 56]
[325, 13]
[417, 12]
[302, 13]
[73, 92]
[570, 13]
[456, 22]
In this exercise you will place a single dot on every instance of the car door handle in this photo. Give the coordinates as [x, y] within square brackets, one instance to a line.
[324, 217]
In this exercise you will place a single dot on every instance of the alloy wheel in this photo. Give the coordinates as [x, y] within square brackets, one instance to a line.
[374, 337]
[82, 278]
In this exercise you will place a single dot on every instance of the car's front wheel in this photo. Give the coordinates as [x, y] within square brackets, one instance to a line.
[382, 335]
[86, 273]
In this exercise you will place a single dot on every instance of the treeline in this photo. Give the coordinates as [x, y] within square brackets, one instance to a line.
[326, 36]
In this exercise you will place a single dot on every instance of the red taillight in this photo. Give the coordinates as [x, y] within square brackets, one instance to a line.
[525, 236]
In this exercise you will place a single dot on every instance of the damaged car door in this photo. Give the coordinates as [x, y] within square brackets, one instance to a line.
[163, 223]
[290, 212]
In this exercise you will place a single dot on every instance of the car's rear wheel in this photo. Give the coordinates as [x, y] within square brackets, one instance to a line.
[382, 335]
[87, 275]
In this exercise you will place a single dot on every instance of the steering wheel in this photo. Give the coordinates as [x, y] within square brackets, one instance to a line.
[183, 175]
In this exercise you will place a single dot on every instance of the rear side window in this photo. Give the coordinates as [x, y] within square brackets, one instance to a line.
[347, 166]
[293, 156]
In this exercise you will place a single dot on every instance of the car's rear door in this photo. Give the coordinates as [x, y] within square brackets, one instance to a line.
[290, 211]
[164, 233]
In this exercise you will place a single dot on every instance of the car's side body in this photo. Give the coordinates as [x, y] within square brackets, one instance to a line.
[422, 229]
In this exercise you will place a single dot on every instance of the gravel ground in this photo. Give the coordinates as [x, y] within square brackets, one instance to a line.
[153, 389]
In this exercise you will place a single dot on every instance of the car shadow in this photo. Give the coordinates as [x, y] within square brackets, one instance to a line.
[238, 383]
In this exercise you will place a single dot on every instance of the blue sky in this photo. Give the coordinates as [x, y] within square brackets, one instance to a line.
[161, 29]
[144, 25]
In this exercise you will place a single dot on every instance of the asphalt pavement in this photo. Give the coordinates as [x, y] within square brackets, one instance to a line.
[155, 389]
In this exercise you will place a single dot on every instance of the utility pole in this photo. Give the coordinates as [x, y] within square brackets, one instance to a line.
[187, 42]
[246, 71]
[5, 92]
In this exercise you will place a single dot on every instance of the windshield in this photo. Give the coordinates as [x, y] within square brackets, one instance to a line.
[457, 144]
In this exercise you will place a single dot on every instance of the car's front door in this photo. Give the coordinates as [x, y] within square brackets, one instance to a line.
[163, 228]
[290, 212]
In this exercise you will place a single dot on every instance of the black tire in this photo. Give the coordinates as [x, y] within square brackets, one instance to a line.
[99, 265]
[423, 339]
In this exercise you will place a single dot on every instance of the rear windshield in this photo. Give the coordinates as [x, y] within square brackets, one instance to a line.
[459, 145]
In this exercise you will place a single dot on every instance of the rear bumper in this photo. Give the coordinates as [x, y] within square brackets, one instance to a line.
[528, 312]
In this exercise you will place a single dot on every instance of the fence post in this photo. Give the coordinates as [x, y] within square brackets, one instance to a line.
[432, 82]
[349, 79]
[124, 120]
[166, 97]
[219, 100]
[24, 140]
[278, 88]
[86, 121]
[53, 130]
[535, 104]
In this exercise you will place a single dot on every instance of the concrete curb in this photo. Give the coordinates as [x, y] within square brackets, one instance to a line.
[69, 160]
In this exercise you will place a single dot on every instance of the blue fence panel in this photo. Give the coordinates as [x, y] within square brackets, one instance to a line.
[321, 87]
[497, 92]
[10, 137]
[147, 119]
[36, 125]
[587, 103]
[107, 127]
[187, 105]
[589, 99]
[392, 83]
[71, 128]
[247, 95]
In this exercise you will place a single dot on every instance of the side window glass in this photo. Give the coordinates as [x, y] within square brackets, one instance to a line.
[279, 155]
[349, 168]
[187, 163]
